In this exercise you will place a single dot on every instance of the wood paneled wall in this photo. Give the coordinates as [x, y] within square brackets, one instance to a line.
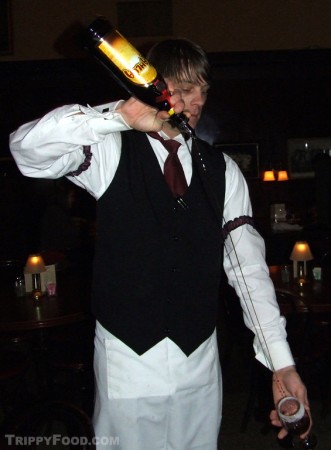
[262, 97]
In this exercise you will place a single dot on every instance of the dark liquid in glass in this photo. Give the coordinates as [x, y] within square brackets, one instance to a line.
[298, 427]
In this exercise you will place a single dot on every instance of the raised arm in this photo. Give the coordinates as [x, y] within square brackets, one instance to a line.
[52, 147]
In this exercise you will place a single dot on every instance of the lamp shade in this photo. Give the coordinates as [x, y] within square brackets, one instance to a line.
[301, 252]
[282, 175]
[34, 264]
[269, 175]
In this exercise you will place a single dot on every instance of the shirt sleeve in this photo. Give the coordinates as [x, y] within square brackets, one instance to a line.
[52, 147]
[248, 274]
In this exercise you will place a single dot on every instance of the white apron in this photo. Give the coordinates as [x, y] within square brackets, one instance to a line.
[161, 400]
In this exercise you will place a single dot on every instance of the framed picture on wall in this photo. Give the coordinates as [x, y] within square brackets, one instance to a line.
[301, 154]
[246, 155]
[5, 28]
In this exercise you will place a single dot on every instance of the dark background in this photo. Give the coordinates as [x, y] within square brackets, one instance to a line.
[264, 97]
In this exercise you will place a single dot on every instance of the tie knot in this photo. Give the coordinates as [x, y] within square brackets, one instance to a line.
[170, 144]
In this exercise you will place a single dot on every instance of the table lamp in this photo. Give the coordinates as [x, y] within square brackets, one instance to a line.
[34, 266]
[300, 255]
[269, 175]
[282, 175]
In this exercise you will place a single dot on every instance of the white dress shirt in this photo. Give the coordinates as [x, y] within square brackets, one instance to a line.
[52, 147]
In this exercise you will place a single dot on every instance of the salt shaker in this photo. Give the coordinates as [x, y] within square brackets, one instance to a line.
[19, 286]
[285, 274]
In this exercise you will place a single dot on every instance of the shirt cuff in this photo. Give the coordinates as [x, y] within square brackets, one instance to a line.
[280, 354]
[104, 119]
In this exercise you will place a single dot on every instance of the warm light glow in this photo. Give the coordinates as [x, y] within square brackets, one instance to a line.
[300, 255]
[301, 252]
[269, 175]
[35, 264]
[282, 175]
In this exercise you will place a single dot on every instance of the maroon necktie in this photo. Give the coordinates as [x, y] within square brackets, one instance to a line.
[173, 170]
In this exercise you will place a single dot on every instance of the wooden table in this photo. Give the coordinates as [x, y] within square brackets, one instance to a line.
[36, 322]
[70, 305]
[313, 297]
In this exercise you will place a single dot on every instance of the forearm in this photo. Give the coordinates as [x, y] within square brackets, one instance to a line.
[250, 279]
[52, 146]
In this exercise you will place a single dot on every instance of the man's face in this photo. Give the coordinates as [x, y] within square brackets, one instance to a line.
[194, 96]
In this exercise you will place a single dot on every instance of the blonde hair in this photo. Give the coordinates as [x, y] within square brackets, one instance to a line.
[180, 60]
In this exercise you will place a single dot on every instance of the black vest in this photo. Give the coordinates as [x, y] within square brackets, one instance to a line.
[157, 265]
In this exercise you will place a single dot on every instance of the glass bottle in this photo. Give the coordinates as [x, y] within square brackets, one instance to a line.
[131, 70]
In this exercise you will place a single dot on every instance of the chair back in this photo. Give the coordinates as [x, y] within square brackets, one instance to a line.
[61, 424]
[326, 259]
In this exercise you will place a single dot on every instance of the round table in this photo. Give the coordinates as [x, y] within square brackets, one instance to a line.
[37, 322]
[71, 304]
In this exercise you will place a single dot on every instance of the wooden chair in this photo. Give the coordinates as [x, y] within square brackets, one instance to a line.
[64, 422]
[316, 365]
[231, 330]
[13, 371]
[70, 364]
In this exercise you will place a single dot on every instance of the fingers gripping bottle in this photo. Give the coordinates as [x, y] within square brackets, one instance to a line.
[131, 70]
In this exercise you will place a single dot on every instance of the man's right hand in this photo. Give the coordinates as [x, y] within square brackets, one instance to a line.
[142, 117]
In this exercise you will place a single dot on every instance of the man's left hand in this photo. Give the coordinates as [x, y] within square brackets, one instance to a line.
[287, 382]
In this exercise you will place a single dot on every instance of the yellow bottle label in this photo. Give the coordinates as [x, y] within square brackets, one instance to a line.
[133, 65]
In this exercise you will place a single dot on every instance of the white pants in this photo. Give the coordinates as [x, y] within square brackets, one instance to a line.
[161, 400]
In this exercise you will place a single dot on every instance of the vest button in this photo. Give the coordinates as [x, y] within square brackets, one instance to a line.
[173, 269]
[167, 330]
[175, 238]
